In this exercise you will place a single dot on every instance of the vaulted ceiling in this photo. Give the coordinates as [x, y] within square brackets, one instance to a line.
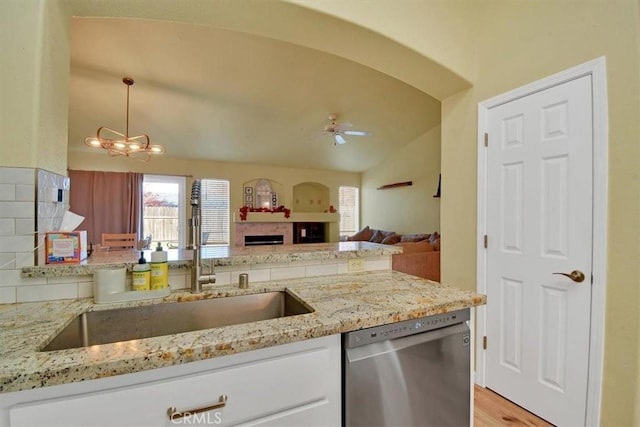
[208, 93]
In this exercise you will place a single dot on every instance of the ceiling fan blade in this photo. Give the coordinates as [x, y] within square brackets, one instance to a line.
[339, 139]
[356, 132]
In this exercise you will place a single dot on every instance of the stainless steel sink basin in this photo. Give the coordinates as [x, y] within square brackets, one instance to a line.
[124, 324]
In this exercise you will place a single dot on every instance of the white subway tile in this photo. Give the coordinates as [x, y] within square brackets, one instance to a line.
[177, 281]
[380, 264]
[17, 210]
[222, 278]
[288, 273]
[254, 276]
[7, 261]
[263, 266]
[24, 259]
[7, 227]
[7, 192]
[25, 226]
[25, 193]
[17, 175]
[47, 292]
[16, 244]
[321, 270]
[64, 279]
[8, 295]
[305, 263]
[85, 290]
[10, 277]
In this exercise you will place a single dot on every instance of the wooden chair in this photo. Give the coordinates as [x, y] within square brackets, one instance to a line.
[119, 241]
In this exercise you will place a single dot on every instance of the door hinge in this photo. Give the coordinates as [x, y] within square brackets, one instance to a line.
[486, 139]
[486, 241]
[484, 342]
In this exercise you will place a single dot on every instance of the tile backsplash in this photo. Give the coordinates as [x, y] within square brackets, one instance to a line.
[52, 201]
[27, 204]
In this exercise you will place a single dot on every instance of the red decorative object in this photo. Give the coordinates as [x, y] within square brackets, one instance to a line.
[245, 210]
[332, 209]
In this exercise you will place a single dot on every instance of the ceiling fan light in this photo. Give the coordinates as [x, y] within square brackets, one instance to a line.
[339, 139]
[356, 132]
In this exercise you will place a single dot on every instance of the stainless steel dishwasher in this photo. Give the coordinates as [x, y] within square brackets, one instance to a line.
[411, 373]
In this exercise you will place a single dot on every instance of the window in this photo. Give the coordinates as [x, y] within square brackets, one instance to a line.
[349, 209]
[164, 212]
[215, 211]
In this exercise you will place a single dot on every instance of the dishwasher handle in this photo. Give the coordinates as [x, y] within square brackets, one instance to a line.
[379, 348]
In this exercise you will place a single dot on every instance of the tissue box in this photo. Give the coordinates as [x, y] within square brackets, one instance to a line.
[66, 247]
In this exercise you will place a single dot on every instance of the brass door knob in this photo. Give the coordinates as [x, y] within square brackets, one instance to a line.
[576, 275]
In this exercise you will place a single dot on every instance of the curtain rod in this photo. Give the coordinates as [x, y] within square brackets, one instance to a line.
[163, 174]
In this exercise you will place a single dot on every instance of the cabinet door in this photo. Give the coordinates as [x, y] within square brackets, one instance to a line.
[254, 390]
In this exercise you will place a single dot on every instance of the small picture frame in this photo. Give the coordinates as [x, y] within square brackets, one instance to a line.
[248, 198]
[274, 200]
[248, 190]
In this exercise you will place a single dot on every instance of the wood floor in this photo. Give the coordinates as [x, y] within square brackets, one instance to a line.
[491, 409]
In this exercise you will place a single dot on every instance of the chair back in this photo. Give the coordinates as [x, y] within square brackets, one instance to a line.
[119, 241]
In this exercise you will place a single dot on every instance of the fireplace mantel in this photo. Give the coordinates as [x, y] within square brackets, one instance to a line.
[294, 217]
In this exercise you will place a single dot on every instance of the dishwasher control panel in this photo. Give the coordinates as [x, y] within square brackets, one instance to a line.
[405, 328]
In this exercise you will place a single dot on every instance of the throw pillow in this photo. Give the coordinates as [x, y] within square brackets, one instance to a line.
[414, 237]
[362, 235]
[391, 239]
[434, 240]
[377, 237]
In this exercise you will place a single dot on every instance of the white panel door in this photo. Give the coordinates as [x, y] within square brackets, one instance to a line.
[539, 222]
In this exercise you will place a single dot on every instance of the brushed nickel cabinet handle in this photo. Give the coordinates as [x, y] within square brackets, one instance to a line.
[174, 413]
[575, 275]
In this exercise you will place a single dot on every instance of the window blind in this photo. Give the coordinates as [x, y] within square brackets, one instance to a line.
[349, 208]
[215, 211]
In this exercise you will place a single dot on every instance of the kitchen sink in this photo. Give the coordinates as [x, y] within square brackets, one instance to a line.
[124, 324]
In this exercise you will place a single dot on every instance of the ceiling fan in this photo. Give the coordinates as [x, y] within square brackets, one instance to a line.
[339, 130]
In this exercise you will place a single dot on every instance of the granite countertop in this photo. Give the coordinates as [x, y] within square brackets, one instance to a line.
[342, 303]
[220, 256]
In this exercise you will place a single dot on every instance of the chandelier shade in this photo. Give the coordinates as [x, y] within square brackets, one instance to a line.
[118, 144]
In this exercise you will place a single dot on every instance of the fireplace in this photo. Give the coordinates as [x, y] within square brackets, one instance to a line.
[250, 229]
[264, 239]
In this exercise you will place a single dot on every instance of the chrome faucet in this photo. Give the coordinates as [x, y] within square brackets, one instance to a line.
[198, 279]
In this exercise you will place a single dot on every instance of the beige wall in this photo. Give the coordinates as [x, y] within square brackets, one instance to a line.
[236, 173]
[515, 51]
[411, 209]
[34, 84]
[514, 43]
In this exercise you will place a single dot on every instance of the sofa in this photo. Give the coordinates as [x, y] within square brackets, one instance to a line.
[420, 252]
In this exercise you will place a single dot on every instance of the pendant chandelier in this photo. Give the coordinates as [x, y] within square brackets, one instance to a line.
[137, 147]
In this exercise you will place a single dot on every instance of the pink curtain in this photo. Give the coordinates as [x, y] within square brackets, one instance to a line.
[110, 202]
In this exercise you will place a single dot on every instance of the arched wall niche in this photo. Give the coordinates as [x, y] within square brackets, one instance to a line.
[311, 197]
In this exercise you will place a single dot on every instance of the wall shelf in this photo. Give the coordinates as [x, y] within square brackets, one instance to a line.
[395, 185]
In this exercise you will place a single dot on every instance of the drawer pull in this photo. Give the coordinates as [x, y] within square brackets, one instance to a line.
[174, 413]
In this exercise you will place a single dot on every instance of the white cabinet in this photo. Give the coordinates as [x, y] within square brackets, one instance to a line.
[291, 384]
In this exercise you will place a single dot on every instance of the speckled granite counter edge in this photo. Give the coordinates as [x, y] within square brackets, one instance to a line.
[343, 303]
[233, 260]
